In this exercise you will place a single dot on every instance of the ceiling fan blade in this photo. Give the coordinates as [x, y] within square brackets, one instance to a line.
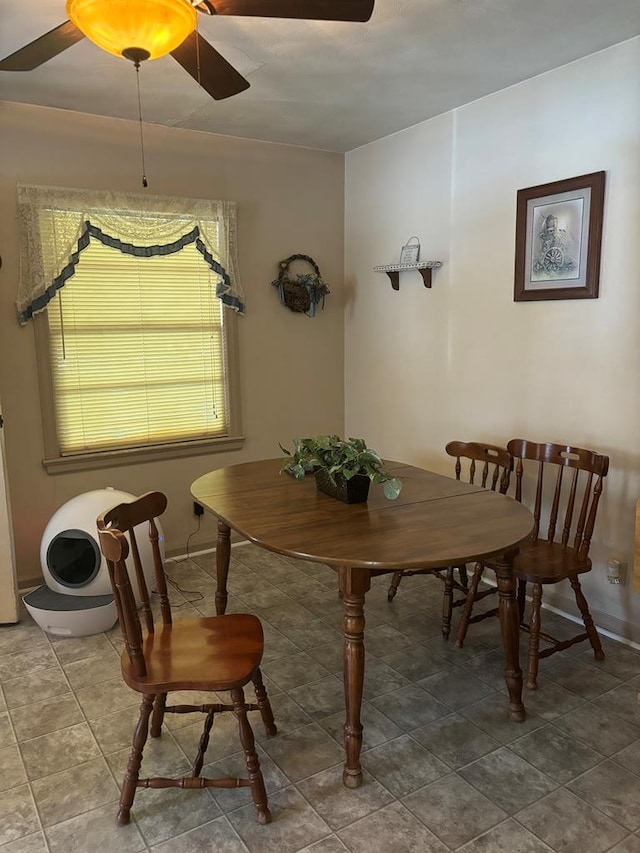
[312, 10]
[42, 49]
[209, 68]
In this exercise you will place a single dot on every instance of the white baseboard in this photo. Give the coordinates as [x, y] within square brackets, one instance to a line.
[607, 625]
[211, 550]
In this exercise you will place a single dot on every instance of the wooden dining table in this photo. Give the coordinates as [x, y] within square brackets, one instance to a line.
[436, 521]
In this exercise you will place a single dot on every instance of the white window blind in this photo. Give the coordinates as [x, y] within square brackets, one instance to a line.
[137, 349]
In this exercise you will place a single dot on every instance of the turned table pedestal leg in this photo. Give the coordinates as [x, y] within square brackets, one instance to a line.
[510, 627]
[354, 583]
[223, 555]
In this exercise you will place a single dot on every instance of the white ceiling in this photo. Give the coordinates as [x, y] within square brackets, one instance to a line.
[333, 86]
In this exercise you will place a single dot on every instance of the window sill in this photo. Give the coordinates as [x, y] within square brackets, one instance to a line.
[137, 455]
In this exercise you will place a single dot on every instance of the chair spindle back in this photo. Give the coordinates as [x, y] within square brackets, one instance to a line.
[495, 466]
[572, 512]
[117, 540]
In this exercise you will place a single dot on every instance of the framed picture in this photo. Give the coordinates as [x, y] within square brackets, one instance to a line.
[558, 237]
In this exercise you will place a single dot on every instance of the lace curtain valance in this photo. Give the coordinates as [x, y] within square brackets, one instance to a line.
[56, 224]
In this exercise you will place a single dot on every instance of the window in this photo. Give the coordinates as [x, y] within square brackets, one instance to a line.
[136, 348]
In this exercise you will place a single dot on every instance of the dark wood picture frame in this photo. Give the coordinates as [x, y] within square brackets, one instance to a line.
[558, 239]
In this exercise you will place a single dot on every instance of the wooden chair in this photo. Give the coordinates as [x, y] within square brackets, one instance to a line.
[543, 560]
[218, 653]
[491, 467]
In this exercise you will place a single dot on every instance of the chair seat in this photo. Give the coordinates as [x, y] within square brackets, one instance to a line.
[548, 562]
[210, 653]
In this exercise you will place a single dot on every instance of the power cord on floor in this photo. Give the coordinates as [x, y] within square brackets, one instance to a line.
[189, 538]
[198, 595]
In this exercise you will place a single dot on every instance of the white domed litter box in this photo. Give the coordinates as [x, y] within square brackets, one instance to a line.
[77, 598]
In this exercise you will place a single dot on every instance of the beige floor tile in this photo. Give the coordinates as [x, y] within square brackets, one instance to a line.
[402, 765]
[100, 827]
[35, 687]
[393, 829]
[64, 795]
[12, 772]
[29, 844]
[294, 671]
[72, 649]
[613, 790]
[58, 751]
[14, 639]
[330, 844]
[509, 781]
[7, 737]
[326, 793]
[631, 844]
[17, 814]
[161, 757]
[454, 740]
[217, 835]
[304, 752]
[508, 837]
[454, 810]
[224, 740]
[235, 766]
[33, 660]
[166, 812]
[39, 718]
[568, 824]
[295, 824]
[93, 670]
[106, 698]
[115, 731]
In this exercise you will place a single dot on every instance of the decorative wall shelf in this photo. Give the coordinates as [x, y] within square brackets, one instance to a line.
[424, 268]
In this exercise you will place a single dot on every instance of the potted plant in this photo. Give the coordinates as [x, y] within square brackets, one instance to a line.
[344, 468]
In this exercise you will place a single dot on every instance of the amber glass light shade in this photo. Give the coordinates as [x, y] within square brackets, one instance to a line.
[154, 26]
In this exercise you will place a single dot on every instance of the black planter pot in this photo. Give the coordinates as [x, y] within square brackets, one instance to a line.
[353, 491]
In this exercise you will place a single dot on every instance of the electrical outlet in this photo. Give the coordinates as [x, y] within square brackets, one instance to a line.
[198, 509]
[617, 571]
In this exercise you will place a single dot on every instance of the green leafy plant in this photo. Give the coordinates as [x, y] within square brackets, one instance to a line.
[336, 455]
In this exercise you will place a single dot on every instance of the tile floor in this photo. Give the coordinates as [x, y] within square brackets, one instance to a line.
[444, 768]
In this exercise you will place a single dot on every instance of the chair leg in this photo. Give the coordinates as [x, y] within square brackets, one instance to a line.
[463, 624]
[202, 746]
[581, 601]
[393, 587]
[157, 717]
[135, 759]
[263, 703]
[534, 636]
[258, 790]
[522, 598]
[447, 603]
[464, 577]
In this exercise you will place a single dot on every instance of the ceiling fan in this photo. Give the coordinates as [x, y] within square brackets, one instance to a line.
[149, 29]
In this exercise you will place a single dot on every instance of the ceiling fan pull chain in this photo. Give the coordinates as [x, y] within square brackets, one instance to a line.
[145, 183]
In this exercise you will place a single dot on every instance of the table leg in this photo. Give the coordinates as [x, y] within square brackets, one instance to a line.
[354, 583]
[223, 555]
[510, 627]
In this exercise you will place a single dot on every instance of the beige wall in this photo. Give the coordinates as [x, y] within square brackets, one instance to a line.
[463, 360]
[289, 200]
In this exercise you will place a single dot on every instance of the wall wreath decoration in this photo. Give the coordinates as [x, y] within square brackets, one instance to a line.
[303, 293]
